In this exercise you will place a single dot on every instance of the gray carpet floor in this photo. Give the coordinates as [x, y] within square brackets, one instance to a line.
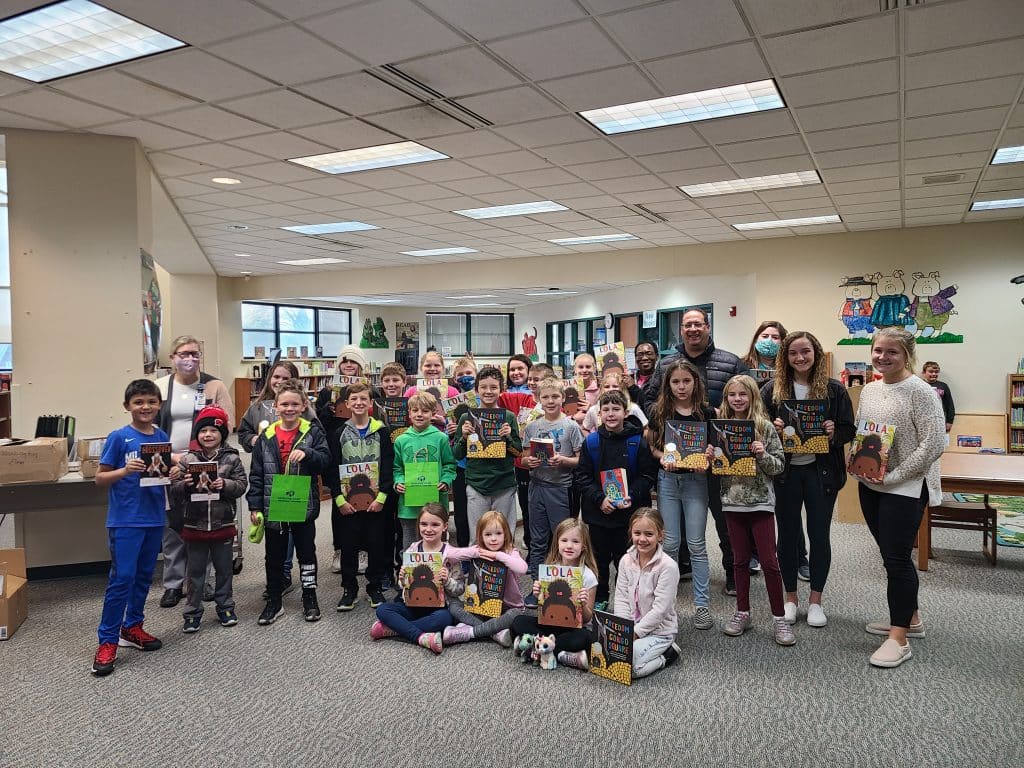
[298, 694]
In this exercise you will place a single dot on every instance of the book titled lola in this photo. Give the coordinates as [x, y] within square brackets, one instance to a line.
[338, 386]
[611, 657]
[557, 603]
[615, 486]
[359, 483]
[421, 579]
[685, 443]
[610, 354]
[396, 414]
[158, 464]
[485, 442]
[203, 474]
[440, 385]
[803, 426]
[455, 407]
[485, 588]
[869, 451]
[731, 440]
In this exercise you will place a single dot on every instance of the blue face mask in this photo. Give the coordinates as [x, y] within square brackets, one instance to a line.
[465, 383]
[767, 347]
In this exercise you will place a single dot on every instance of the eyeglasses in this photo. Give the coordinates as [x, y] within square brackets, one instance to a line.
[196, 355]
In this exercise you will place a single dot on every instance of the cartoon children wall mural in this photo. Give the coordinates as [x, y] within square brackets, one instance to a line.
[881, 301]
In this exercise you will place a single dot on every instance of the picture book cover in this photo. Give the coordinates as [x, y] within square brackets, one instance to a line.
[761, 375]
[615, 486]
[803, 429]
[685, 442]
[396, 414]
[486, 443]
[203, 474]
[158, 464]
[610, 353]
[485, 588]
[525, 416]
[259, 353]
[542, 449]
[557, 603]
[455, 407]
[856, 374]
[304, 351]
[293, 352]
[435, 387]
[359, 483]
[611, 656]
[869, 451]
[732, 439]
[574, 396]
[338, 386]
[421, 579]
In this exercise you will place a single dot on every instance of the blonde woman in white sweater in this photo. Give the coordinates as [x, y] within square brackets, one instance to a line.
[894, 506]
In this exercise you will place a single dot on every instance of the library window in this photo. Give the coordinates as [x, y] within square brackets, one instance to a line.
[457, 333]
[285, 325]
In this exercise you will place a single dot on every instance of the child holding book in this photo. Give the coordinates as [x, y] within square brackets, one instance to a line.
[135, 526]
[613, 380]
[490, 483]
[363, 441]
[464, 377]
[291, 445]
[683, 493]
[425, 444]
[808, 481]
[392, 384]
[585, 367]
[432, 368]
[209, 529]
[645, 591]
[749, 506]
[423, 626]
[570, 545]
[494, 544]
[523, 403]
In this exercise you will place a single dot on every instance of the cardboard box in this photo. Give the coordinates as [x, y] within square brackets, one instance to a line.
[13, 591]
[89, 468]
[88, 450]
[43, 460]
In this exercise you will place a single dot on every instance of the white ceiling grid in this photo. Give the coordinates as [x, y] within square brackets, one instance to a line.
[875, 100]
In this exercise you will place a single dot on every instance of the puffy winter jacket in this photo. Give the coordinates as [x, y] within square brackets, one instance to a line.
[716, 367]
[612, 453]
[266, 462]
[348, 447]
[211, 515]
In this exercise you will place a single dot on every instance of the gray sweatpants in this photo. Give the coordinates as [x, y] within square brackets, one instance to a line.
[476, 504]
[549, 505]
[174, 559]
[483, 627]
[200, 555]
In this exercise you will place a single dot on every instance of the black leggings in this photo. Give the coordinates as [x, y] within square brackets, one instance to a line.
[610, 544]
[523, 492]
[565, 639]
[462, 533]
[893, 521]
[803, 488]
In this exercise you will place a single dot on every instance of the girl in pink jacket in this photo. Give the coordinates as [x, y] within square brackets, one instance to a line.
[645, 591]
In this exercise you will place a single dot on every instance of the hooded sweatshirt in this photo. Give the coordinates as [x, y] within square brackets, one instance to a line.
[349, 447]
[613, 452]
[412, 447]
[648, 594]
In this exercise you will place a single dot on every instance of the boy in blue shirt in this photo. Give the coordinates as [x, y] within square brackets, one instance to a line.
[135, 523]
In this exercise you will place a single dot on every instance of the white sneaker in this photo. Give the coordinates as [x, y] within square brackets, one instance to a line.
[789, 612]
[816, 615]
[890, 654]
[336, 562]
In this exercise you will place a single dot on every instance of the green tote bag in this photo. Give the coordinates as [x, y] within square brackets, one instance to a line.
[289, 498]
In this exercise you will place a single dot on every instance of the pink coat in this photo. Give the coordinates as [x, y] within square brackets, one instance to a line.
[648, 594]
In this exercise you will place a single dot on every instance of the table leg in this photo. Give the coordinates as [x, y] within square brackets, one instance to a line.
[924, 541]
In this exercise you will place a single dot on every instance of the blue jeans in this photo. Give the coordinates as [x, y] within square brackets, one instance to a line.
[648, 652]
[133, 554]
[410, 623]
[683, 503]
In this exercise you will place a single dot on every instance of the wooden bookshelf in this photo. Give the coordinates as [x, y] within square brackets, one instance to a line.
[1015, 413]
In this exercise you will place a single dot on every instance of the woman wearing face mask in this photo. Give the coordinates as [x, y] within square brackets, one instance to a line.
[765, 346]
[185, 392]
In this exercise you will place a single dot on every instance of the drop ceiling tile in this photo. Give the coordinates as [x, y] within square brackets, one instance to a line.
[860, 172]
[211, 123]
[717, 202]
[227, 199]
[168, 165]
[508, 162]
[488, 19]
[385, 32]
[780, 146]
[911, 182]
[943, 200]
[462, 72]
[948, 145]
[418, 122]
[278, 210]
[771, 17]
[984, 93]
[985, 61]
[851, 187]
[442, 170]
[857, 136]
[701, 175]
[281, 145]
[552, 130]
[287, 55]
[888, 196]
[657, 140]
[151, 135]
[577, 191]
[788, 208]
[564, 50]
[119, 91]
[300, 9]
[197, 74]
[675, 27]
[1011, 171]
[955, 24]
[772, 196]
[942, 163]
[773, 166]
[11, 120]
[677, 161]
[348, 134]
[618, 186]
[619, 85]
[327, 186]
[935, 190]
[542, 178]
[279, 173]
[358, 94]
[833, 46]
[873, 109]
[197, 21]
[183, 188]
[1015, 186]
[859, 156]
[219, 155]
[713, 68]
[58, 108]
[853, 82]
[761, 125]
[383, 179]
[471, 144]
[278, 193]
[873, 223]
[608, 169]
[972, 121]
[512, 105]
[580, 152]
[423, 192]
[282, 109]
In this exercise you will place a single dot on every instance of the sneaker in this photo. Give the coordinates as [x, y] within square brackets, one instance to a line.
[272, 611]
[755, 566]
[348, 601]
[789, 612]
[738, 624]
[816, 615]
[503, 638]
[530, 601]
[672, 655]
[171, 597]
[686, 575]
[577, 660]
[376, 596]
[432, 641]
[310, 607]
[379, 631]
[191, 625]
[227, 617]
[803, 572]
[287, 585]
[336, 562]
[103, 661]
[730, 588]
[783, 631]
[702, 617]
[137, 637]
[882, 628]
[890, 654]
[460, 633]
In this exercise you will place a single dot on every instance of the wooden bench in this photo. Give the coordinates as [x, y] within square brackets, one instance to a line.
[967, 516]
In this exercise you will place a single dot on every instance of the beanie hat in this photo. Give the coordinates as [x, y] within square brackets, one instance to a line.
[351, 352]
[211, 416]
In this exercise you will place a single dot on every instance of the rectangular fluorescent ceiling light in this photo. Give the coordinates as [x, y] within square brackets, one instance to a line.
[1008, 155]
[439, 252]
[804, 222]
[477, 296]
[552, 294]
[753, 184]
[995, 205]
[368, 158]
[686, 107]
[326, 229]
[71, 37]
[520, 209]
[593, 239]
[485, 304]
[312, 262]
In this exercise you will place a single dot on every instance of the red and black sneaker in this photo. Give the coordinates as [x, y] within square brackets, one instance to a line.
[103, 661]
[137, 637]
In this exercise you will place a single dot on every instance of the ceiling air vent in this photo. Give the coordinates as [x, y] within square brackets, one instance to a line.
[339, 245]
[647, 213]
[892, 5]
[409, 85]
[941, 178]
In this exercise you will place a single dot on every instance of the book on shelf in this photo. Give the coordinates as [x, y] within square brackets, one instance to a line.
[485, 588]
[157, 457]
[615, 486]
[293, 352]
[319, 351]
[304, 351]
[611, 655]
[259, 353]
[731, 439]
[359, 483]
[803, 426]
[485, 442]
[543, 449]
[557, 603]
[421, 579]
[686, 443]
[869, 451]
[396, 415]
[203, 474]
